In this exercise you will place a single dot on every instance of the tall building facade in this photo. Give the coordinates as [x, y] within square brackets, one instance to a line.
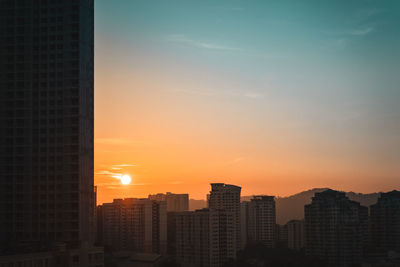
[227, 197]
[175, 202]
[134, 224]
[262, 220]
[193, 238]
[385, 222]
[295, 234]
[281, 236]
[335, 228]
[205, 238]
[244, 221]
[46, 118]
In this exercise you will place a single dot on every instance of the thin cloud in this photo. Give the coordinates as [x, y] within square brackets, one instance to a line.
[124, 165]
[363, 31]
[106, 172]
[180, 38]
[352, 32]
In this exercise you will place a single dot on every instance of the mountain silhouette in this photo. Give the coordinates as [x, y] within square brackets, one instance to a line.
[292, 207]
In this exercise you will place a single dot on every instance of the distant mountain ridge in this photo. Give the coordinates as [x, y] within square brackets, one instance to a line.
[292, 207]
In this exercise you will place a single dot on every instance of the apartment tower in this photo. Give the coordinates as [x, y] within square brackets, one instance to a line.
[295, 234]
[46, 117]
[134, 224]
[175, 202]
[205, 238]
[261, 221]
[335, 228]
[385, 222]
[227, 197]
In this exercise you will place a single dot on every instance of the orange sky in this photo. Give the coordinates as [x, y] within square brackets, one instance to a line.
[167, 145]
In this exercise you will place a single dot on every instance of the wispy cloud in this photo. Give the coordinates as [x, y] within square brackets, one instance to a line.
[125, 165]
[340, 39]
[182, 39]
[114, 171]
[106, 172]
[362, 31]
[354, 31]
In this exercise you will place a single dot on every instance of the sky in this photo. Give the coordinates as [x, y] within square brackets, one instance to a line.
[274, 96]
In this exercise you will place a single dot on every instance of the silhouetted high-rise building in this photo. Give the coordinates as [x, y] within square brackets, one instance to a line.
[385, 222]
[244, 221]
[295, 234]
[335, 228]
[281, 236]
[46, 118]
[205, 237]
[261, 220]
[134, 224]
[193, 238]
[175, 202]
[227, 197]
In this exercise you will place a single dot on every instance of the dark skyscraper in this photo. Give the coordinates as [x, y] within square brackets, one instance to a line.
[335, 228]
[385, 222]
[46, 117]
[261, 222]
[227, 197]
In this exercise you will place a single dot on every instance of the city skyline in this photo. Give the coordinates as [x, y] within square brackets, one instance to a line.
[276, 97]
[199, 133]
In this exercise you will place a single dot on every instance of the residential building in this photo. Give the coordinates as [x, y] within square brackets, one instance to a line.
[385, 222]
[244, 217]
[175, 202]
[295, 234]
[335, 228]
[262, 220]
[46, 136]
[227, 197]
[134, 224]
[205, 237]
[281, 236]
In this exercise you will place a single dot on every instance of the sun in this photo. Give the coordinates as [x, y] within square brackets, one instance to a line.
[126, 179]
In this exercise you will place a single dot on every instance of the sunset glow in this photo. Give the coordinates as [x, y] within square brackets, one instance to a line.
[257, 95]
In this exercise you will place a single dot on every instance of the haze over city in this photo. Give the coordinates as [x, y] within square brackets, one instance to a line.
[275, 96]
